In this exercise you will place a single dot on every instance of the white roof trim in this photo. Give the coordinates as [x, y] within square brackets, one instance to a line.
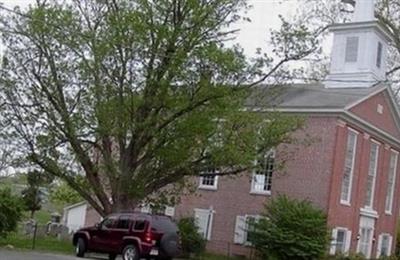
[296, 110]
[375, 129]
[75, 205]
[350, 106]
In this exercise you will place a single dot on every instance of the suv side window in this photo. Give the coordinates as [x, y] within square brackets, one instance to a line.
[123, 222]
[163, 224]
[140, 225]
[109, 222]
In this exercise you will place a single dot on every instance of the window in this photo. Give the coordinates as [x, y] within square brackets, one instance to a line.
[209, 181]
[372, 169]
[262, 176]
[379, 55]
[123, 222]
[391, 182]
[341, 239]
[351, 49]
[204, 219]
[384, 245]
[139, 225]
[163, 224]
[109, 223]
[242, 228]
[348, 167]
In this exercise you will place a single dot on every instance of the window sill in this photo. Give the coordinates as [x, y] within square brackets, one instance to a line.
[389, 213]
[210, 188]
[262, 193]
[345, 203]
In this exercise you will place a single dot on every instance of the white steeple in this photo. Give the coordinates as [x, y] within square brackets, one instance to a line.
[364, 11]
[358, 58]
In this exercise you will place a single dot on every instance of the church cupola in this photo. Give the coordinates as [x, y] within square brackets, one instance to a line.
[358, 58]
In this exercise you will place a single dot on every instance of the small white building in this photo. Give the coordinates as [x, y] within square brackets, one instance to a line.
[74, 216]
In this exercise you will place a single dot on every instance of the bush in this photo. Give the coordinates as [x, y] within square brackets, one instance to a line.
[10, 211]
[290, 229]
[192, 241]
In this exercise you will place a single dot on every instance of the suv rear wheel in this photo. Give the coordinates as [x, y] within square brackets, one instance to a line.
[80, 247]
[130, 252]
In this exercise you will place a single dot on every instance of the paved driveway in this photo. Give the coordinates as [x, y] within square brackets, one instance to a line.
[15, 255]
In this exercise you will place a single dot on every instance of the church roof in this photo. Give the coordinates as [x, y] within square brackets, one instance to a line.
[311, 96]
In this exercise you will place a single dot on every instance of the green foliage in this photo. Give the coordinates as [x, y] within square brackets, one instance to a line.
[32, 195]
[192, 241]
[290, 229]
[62, 194]
[10, 211]
[137, 95]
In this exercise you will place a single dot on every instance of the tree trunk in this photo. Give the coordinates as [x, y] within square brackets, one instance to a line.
[32, 213]
[123, 204]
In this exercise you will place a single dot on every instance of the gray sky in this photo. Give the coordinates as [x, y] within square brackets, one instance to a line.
[264, 16]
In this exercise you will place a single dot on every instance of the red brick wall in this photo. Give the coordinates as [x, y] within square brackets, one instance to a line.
[340, 215]
[367, 110]
[92, 217]
[306, 175]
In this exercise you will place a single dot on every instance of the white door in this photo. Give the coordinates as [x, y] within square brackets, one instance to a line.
[367, 226]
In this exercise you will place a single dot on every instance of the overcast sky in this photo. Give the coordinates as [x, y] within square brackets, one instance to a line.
[264, 16]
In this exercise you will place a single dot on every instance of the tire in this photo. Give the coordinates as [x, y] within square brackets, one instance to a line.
[169, 246]
[130, 252]
[112, 256]
[164, 258]
[80, 248]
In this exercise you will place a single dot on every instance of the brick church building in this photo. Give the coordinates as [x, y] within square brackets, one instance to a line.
[350, 169]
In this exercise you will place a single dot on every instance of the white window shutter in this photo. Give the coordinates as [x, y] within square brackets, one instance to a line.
[348, 241]
[240, 230]
[351, 49]
[201, 218]
[169, 211]
[390, 245]
[378, 250]
[332, 250]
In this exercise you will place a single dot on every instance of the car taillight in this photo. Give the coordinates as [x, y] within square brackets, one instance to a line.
[148, 237]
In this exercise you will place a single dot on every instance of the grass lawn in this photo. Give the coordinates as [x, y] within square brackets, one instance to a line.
[46, 244]
[53, 245]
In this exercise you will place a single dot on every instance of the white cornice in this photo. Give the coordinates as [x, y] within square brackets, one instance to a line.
[344, 114]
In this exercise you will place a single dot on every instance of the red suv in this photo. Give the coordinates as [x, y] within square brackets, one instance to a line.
[134, 235]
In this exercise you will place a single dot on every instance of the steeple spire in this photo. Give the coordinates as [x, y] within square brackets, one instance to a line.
[364, 11]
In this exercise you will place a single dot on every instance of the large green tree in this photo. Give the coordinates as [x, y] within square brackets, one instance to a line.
[124, 99]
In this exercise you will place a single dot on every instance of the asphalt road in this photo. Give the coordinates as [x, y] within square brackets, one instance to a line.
[16, 255]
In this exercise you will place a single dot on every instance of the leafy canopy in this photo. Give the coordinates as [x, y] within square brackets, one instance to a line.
[122, 99]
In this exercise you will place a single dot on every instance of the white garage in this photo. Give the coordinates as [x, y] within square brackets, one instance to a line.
[74, 216]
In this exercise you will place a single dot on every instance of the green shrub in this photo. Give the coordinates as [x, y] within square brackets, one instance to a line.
[10, 211]
[192, 241]
[290, 229]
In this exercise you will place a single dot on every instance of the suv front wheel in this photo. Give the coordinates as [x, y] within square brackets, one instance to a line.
[80, 247]
[130, 252]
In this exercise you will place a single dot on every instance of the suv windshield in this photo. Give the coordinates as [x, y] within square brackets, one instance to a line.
[163, 224]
